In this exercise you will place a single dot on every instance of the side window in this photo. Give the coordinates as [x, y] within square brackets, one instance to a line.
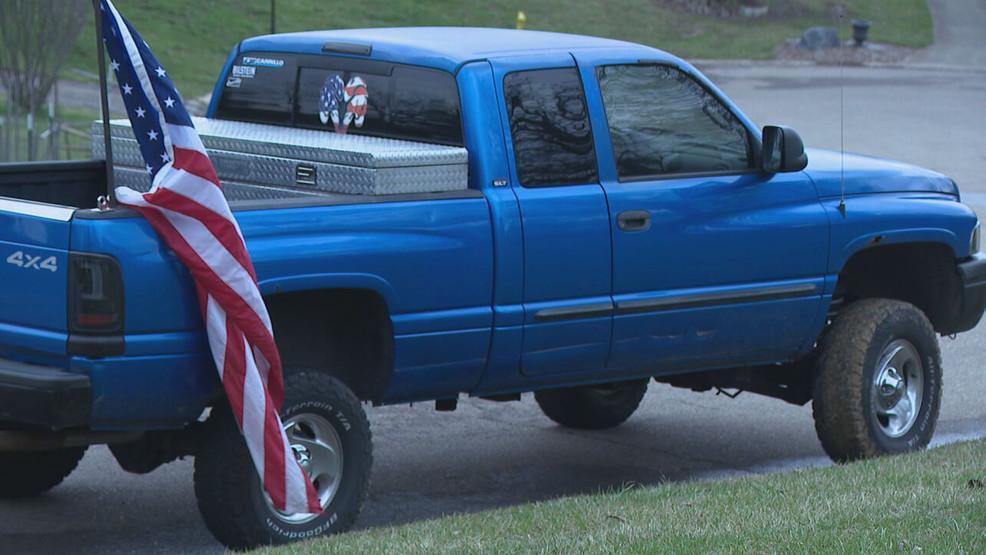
[549, 124]
[661, 121]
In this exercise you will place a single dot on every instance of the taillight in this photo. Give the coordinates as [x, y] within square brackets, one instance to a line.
[95, 295]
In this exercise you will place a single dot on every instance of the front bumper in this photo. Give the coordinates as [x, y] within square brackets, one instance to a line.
[42, 396]
[972, 272]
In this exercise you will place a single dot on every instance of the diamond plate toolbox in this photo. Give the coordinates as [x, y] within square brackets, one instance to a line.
[305, 161]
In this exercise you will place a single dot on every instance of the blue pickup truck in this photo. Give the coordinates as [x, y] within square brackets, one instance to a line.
[623, 221]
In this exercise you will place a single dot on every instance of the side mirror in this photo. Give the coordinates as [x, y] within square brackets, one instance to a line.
[783, 150]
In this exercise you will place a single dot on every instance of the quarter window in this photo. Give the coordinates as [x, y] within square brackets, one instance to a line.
[549, 124]
[661, 121]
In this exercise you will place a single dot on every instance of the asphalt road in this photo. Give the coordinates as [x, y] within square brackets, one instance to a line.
[487, 455]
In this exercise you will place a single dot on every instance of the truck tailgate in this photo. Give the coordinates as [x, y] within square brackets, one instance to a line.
[34, 242]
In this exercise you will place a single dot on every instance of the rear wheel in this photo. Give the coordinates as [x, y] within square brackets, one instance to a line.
[30, 473]
[592, 407]
[330, 437]
[877, 389]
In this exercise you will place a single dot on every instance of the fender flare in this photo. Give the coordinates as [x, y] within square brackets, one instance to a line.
[313, 282]
[938, 236]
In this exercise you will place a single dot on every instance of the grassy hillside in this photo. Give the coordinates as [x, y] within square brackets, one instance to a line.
[929, 502]
[192, 38]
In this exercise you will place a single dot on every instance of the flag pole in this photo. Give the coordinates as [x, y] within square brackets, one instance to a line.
[104, 101]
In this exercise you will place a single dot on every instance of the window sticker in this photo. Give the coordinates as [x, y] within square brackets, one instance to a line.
[262, 62]
[246, 72]
[234, 82]
[343, 104]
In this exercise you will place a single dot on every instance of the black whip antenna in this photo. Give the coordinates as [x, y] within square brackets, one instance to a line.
[842, 115]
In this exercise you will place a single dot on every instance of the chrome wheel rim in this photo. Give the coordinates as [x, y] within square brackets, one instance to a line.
[898, 388]
[318, 449]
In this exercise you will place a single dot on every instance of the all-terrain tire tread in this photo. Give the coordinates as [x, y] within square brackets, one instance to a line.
[838, 387]
[225, 505]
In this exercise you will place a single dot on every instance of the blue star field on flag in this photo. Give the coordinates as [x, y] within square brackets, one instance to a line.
[147, 114]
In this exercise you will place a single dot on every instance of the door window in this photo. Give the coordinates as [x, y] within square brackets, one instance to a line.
[661, 122]
[549, 124]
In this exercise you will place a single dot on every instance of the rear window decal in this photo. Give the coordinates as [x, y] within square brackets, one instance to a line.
[244, 71]
[343, 104]
[262, 62]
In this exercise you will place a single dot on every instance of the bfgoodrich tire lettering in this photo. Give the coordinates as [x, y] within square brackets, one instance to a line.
[844, 403]
[229, 492]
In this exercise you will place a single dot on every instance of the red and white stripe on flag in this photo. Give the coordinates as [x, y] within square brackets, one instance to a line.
[187, 208]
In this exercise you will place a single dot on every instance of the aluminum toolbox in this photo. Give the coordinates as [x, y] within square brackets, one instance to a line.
[257, 161]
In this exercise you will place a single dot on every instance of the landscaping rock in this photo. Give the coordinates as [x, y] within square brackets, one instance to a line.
[818, 38]
[869, 53]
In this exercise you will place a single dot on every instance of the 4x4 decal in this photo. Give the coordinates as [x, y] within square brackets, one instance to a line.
[24, 260]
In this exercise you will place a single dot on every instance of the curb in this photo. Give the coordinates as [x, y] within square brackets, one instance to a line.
[728, 63]
[778, 466]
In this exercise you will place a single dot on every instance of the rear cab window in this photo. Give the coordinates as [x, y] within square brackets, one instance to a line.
[549, 127]
[343, 95]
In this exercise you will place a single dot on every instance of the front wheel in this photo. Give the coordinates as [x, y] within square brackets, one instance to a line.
[330, 437]
[878, 384]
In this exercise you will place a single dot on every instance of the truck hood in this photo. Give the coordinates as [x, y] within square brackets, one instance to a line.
[868, 175]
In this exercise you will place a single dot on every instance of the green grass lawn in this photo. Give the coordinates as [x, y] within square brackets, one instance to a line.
[928, 502]
[192, 38]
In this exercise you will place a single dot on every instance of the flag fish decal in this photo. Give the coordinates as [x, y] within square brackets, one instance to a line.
[356, 96]
[333, 90]
[343, 104]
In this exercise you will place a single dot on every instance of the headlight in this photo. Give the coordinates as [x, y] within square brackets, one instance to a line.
[976, 238]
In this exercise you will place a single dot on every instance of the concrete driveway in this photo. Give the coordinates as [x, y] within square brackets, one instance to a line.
[487, 455]
[960, 34]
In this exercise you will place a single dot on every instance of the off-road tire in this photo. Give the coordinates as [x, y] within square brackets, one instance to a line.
[229, 492]
[31, 473]
[845, 419]
[592, 407]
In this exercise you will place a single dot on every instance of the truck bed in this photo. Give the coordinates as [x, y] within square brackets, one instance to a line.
[67, 183]
[78, 183]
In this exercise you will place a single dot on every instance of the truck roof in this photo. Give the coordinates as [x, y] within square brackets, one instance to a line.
[440, 47]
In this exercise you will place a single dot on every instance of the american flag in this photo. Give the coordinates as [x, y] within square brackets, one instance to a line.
[186, 207]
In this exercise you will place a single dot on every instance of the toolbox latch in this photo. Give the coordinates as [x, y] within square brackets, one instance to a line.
[304, 174]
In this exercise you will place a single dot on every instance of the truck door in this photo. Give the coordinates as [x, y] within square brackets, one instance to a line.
[714, 262]
[567, 257]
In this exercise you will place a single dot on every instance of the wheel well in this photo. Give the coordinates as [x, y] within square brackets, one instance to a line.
[345, 332]
[922, 274]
